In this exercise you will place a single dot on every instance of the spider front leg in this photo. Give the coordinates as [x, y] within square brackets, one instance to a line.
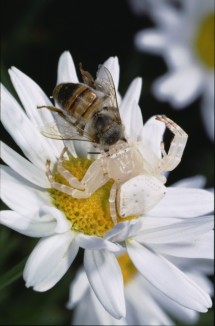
[72, 180]
[57, 185]
[93, 180]
[171, 159]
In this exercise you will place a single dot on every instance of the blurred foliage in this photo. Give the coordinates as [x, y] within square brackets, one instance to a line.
[34, 34]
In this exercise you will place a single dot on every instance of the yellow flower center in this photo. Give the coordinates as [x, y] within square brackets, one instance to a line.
[204, 41]
[91, 215]
[127, 267]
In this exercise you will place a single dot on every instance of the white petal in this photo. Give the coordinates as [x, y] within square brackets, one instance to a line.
[31, 96]
[23, 167]
[166, 16]
[148, 222]
[104, 318]
[84, 313]
[152, 135]
[207, 111]
[202, 280]
[132, 95]
[170, 280]
[78, 288]
[136, 123]
[105, 277]
[171, 307]
[123, 230]
[150, 40]
[146, 311]
[202, 247]
[61, 223]
[19, 194]
[81, 148]
[112, 64]
[49, 261]
[27, 137]
[135, 127]
[150, 159]
[41, 225]
[93, 242]
[178, 55]
[202, 265]
[198, 181]
[179, 87]
[91, 312]
[184, 231]
[25, 225]
[184, 202]
[66, 69]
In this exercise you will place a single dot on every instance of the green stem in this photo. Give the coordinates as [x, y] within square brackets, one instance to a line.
[12, 275]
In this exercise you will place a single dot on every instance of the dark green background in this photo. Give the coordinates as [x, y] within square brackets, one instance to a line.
[34, 34]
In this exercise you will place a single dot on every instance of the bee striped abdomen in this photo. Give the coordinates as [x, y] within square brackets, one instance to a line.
[83, 105]
[78, 100]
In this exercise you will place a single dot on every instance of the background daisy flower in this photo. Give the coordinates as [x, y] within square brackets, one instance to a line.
[184, 36]
[144, 304]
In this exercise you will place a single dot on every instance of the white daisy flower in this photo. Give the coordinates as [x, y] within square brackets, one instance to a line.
[66, 224]
[185, 38]
[144, 304]
[140, 7]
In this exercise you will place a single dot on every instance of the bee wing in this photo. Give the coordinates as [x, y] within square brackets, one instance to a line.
[104, 82]
[63, 130]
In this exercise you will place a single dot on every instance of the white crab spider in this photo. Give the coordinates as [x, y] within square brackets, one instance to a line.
[138, 183]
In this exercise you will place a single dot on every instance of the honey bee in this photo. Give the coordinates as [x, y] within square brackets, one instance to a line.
[87, 111]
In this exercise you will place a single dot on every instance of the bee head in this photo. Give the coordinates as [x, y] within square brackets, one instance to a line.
[108, 130]
[112, 135]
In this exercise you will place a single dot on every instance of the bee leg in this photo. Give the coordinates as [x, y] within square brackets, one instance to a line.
[93, 180]
[72, 180]
[86, 76]
[51, 108]
[112, 202]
